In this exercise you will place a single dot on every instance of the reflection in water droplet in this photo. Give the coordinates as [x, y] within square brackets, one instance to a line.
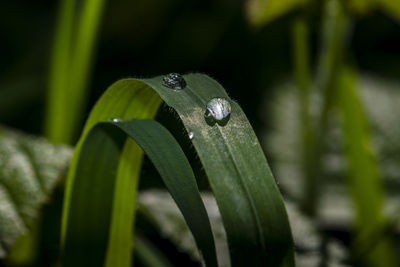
[191, 135]
[219, 110]
[174, 81]
[114, 120]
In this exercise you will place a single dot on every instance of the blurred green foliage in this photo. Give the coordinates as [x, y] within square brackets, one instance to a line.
[148, 37]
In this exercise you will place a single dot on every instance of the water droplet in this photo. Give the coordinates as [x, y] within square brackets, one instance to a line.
[115, 120]
[219, 110]
[174, 81]
[191, 135]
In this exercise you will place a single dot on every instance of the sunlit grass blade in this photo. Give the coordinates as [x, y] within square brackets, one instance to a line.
[251, 206]
[84, 46]
[365, 183]
[88, 227]
[125, 100]
[73, 50]
[57, 91]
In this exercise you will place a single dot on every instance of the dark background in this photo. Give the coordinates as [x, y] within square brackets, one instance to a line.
[145, 38]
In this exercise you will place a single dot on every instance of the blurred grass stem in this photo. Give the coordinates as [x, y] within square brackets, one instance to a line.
[334, 33]
[369, 245]
[300, 35]
[70, 64]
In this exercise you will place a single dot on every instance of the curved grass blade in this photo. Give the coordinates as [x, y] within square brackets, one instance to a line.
[125, 100]
[91, 206]
[251, 206]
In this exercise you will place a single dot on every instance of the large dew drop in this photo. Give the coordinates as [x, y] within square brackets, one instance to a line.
[174, 81]
[219, 109]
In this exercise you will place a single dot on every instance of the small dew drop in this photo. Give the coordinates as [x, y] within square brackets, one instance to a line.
[218, 110]
[191, 135]
[174, 81]
[115, 120]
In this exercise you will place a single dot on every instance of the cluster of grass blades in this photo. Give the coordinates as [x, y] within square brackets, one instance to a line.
[99, 207]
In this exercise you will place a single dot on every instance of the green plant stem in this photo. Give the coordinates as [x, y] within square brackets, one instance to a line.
[70, 68]
[83, 51]
[335, 30]
[371, 245]
[300, 36]
[57, 93]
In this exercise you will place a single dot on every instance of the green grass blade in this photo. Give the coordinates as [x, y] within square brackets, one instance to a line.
[365, 182]
[335, 30]
[303, 78]
[251, 206]
[175, 170]
[57, 107]
[83, 49]
[91, 206]
[97, 168]
[125, 100]
[70, 67]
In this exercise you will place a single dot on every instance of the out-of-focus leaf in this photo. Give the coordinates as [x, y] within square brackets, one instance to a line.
[335, 30]
[260, 12]
[361, 6]
[72, 54]
[365, 182]
[392, 7]
[160, 208]
[30, 167]
[57, 93]
[302, 73]
[380, 98]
